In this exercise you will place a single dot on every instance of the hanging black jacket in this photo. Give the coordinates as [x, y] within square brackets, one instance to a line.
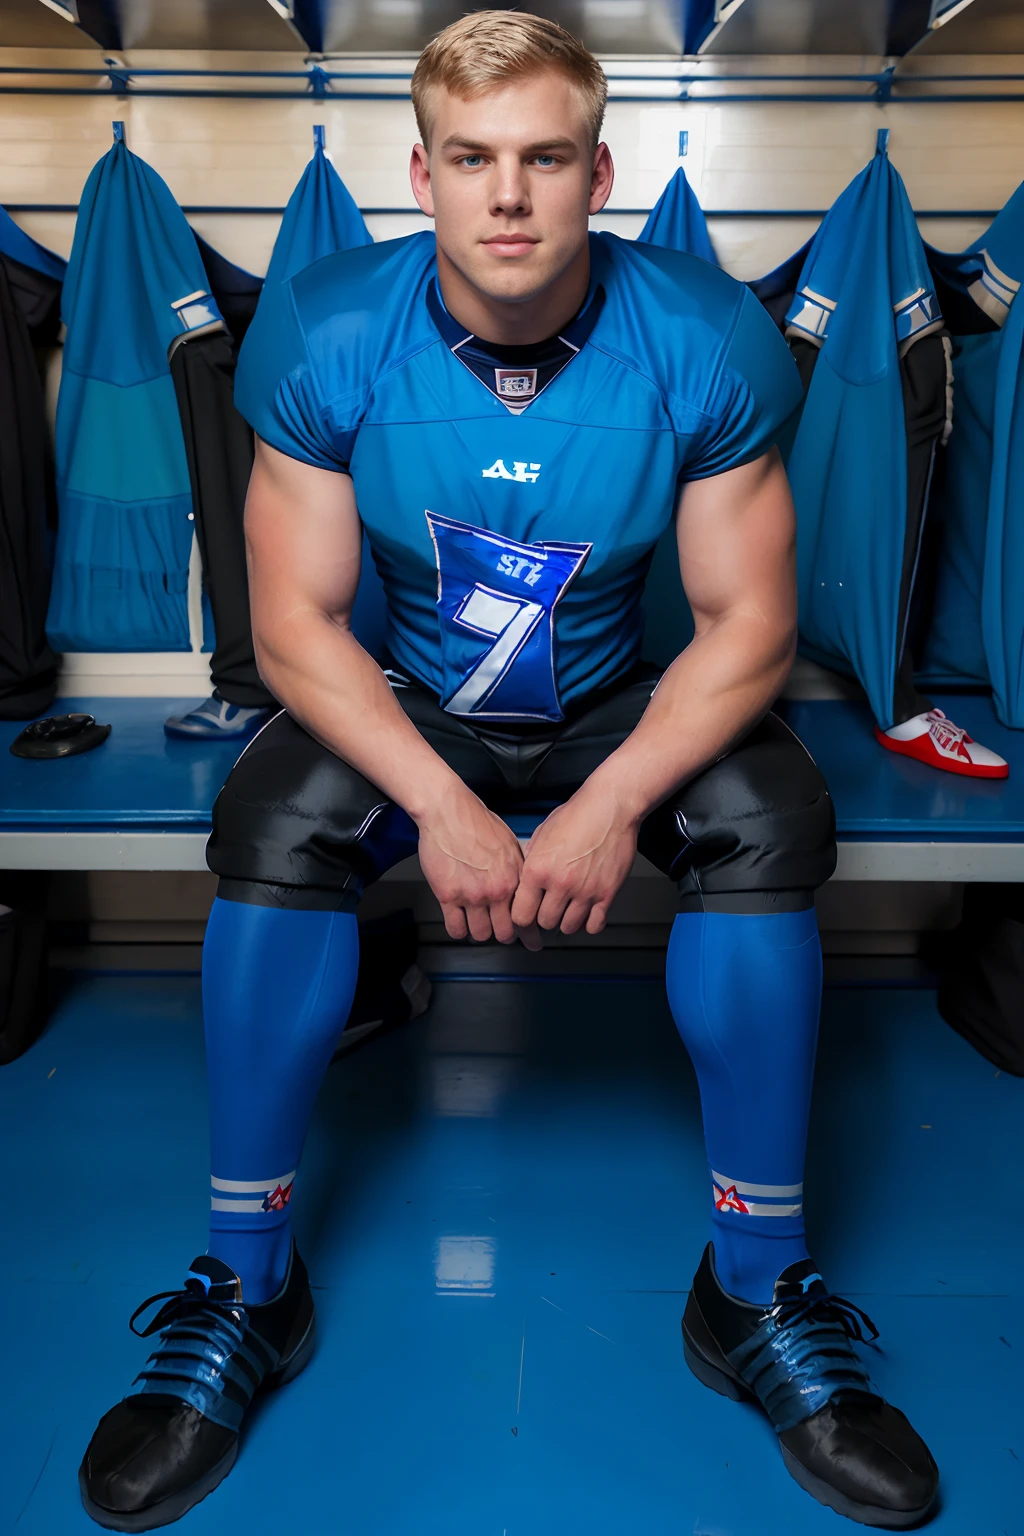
[29, 318]
[219, 448]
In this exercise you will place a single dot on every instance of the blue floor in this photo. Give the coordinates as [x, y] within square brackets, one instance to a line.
[501, 1207]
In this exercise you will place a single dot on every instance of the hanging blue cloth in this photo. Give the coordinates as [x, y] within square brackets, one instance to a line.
[21, 247]
[134, 282]
[976, 632]
[321, 218]
[863, 297]
[677, 221]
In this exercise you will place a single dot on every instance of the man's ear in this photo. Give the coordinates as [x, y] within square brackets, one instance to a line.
[419, 176]
[601, 178]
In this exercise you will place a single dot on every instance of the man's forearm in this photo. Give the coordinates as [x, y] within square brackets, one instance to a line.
[708, 699]
[338, 693]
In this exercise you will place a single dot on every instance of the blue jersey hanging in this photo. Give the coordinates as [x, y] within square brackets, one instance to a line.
[677, 221]
[863, 298]
[134, 283]
[976, 631]
[320, 218]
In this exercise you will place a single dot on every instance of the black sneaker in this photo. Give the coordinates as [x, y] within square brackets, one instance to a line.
[841, 1442]
[175, 1436]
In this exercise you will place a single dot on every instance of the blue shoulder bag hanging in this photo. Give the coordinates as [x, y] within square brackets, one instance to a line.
[976, 631]
[676, 222]
[134, 282]
[863, 298]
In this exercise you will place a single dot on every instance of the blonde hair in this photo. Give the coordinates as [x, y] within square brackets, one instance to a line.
[487, 49]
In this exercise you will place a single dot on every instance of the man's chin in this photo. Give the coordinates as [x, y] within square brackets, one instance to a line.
[513, 284]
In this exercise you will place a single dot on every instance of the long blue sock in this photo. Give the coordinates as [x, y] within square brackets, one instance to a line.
[277, 989]
[745, 992]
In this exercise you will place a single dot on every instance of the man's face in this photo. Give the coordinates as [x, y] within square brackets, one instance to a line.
[510, 181]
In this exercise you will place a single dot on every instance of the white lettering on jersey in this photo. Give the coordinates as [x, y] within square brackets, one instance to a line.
[525, 474]
[529, 571]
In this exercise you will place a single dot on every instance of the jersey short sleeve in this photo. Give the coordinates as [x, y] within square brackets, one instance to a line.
[757, 391]
[276, 388]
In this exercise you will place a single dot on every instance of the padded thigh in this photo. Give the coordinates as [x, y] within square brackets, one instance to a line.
[295, 826]
[761, 819]
[296, 821]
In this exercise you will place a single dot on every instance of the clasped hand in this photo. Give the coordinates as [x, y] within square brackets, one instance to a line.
[574, 864]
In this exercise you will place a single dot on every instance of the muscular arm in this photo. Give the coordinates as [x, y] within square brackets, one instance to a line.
[736, 534]
[304, 542]
[737, 557]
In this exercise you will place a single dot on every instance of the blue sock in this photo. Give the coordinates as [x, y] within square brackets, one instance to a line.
[277, 989]
[745, 992]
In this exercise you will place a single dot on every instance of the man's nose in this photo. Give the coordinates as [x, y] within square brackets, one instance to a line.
[510, 193]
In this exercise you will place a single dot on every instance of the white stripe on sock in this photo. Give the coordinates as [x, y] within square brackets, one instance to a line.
[780, 1191]
[252, 1186]
[771, 1210]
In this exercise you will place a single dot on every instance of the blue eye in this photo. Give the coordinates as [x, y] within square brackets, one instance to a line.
[545, 160]
[472, 161]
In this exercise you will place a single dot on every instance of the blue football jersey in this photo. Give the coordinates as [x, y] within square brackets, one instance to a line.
[513, 539]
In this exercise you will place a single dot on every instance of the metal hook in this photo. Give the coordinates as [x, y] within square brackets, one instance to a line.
[882, 142]
[118, 132]
[684, 141]
[318, 137]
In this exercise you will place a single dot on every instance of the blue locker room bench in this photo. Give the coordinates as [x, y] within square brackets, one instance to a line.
[141, 801]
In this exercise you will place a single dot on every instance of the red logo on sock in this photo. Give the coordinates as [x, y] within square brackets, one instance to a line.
[729, 1200]
[279, 1198]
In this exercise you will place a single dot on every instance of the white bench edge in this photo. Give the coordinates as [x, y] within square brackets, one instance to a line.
[147, 850]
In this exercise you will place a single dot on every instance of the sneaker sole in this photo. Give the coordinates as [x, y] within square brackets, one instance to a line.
[183, 733]
[171, 1509]
[972, 771]
[724, 1381]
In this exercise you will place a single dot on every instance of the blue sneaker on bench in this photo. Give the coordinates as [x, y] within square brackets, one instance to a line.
[217, 720]
[175, 1436]
[844, 1445]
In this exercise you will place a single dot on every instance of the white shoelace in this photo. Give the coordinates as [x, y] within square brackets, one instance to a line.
[945, 732]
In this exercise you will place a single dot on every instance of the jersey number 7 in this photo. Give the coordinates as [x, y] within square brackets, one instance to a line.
[496, 601]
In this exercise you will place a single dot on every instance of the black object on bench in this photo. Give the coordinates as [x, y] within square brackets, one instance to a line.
[60, 736]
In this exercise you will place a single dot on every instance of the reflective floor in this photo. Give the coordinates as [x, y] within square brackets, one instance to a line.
[501, 1207]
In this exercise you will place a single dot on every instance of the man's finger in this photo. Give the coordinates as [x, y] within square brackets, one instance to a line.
[531, 938]
[552, 910]
[454, 921]
[502, 924]
[525, 903]
[479, 921]
[598, 915]
[576, 914]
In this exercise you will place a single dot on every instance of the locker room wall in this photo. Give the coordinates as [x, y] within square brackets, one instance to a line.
[236, 152]
[241, 153]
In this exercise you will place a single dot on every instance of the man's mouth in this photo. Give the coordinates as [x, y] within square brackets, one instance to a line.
[511, 244]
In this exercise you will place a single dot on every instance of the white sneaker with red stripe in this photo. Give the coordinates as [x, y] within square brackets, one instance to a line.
[933, 739]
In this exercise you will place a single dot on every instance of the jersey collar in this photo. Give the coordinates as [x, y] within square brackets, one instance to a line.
[516, 375]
